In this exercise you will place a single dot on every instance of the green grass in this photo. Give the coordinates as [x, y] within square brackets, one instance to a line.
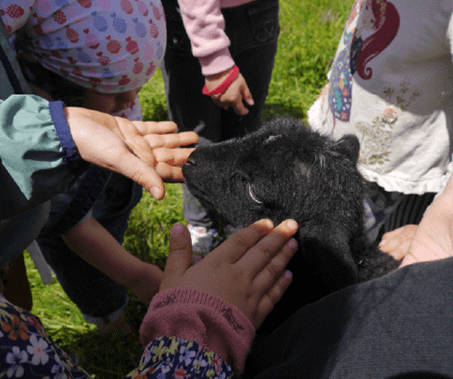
[150, 224]
[309, 36]
[310, 32]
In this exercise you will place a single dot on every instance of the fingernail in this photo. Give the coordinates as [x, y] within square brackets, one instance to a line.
[269, 223]
[155, 192]
[292, 224]
[288, 275]
[177, 230]
[266, 223]
[292, 244]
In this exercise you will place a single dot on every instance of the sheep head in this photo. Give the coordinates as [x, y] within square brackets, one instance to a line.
[285, 170]
[282, 171]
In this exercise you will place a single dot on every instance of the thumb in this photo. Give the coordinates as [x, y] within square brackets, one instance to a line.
[179, 256]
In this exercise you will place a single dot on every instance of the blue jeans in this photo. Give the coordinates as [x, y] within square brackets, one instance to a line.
[97, 296]
[253, 30]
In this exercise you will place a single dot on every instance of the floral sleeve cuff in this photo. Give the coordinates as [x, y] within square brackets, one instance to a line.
[27, 351]
[201, 317]
[172, 357]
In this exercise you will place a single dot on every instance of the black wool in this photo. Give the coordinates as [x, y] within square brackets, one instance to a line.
[285, 170]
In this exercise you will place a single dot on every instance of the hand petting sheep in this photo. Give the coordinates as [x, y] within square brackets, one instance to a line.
[286, 171]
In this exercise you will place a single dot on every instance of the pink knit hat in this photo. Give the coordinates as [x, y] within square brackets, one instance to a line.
[112, 46]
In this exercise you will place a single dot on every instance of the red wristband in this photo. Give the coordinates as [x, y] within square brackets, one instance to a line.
[233, 74]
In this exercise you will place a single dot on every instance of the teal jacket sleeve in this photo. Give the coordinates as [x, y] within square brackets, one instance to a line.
[38, 155]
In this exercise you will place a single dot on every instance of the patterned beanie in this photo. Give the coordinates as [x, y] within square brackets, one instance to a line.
[111, 46]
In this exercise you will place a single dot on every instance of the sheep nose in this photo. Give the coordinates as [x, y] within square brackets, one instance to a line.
[191, 161]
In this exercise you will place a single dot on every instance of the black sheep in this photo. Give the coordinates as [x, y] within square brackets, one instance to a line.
[283, 171]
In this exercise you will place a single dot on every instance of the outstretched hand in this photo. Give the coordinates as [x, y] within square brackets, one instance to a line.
[247, 270]
[234, 96]
[433, 238]
[147, 152]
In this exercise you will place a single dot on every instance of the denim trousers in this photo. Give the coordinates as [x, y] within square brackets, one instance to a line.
[253, 30]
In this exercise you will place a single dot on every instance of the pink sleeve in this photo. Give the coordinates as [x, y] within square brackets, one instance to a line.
[14, 15]
[201, 317]
[205, 26]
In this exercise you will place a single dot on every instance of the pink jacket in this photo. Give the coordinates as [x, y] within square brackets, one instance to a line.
[205, 26]
[200, 317]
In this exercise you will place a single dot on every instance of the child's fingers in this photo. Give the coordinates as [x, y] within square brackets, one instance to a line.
[247, 95]
[258, 257]
[400, 251]
[397, 242]
[169, 174]
[387, 237]
[168, 162]
[186, 138]
[267, 278]
[240, 242]
[172, 140]
[153, 127]
[139, 146]
[135, 169]
[174, 157]
[128, 132]
[179, 256]
[271, 298]
[239, 108]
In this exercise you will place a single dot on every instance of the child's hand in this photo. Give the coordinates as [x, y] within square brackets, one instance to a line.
[397, 242]
[157, 140]
[129, 150]
[247, 270]
[434, 236]
[234, 96]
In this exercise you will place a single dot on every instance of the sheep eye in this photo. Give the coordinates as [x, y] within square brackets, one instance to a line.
[252, 194]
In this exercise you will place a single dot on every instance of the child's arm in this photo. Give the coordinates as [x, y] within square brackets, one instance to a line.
[93, 243]
[205, 26]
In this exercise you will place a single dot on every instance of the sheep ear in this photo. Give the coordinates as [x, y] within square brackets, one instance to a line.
[350, 146]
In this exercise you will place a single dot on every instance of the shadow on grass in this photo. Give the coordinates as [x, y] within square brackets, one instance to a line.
[106, 356]
[102, 356]
[272, 111]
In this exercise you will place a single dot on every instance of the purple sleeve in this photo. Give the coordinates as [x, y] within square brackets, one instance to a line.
[203, 318]
[70, 152]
